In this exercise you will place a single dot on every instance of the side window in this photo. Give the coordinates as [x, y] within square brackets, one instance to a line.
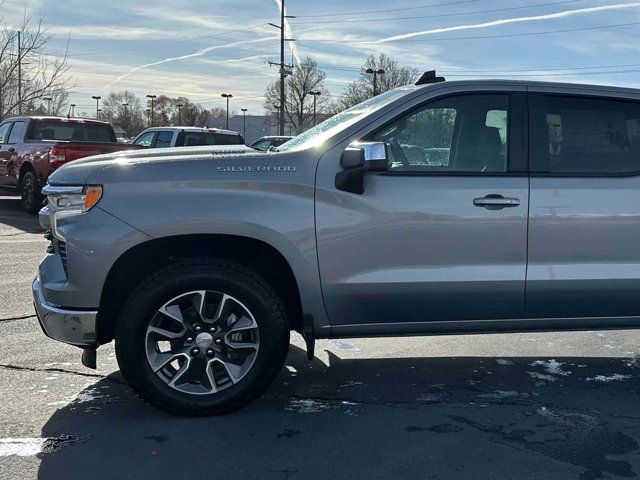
[16, 132]
[163, 139]
[588, 136]
[467, 133]
[145, 139]
[4, 132]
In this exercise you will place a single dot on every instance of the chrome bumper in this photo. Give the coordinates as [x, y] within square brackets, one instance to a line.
[75, 327]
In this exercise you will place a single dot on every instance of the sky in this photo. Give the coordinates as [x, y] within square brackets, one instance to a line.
[201, 49]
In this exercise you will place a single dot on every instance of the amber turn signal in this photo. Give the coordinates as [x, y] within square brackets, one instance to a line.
[92, 196]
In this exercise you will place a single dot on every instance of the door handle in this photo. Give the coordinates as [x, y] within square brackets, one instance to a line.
[496, 202]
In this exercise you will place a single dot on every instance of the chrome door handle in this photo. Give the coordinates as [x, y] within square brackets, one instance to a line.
[496, 202]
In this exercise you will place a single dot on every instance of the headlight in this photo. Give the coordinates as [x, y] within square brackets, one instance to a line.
[67, 201]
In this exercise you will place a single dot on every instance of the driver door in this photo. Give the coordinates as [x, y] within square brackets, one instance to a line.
[442, 234]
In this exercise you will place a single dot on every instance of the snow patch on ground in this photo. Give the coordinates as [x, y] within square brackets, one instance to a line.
[616, 377]
[552, 367]
[21, 447]
[541, 376]
[308, 406]
[88, 395]
[503, 394]
[502, 361]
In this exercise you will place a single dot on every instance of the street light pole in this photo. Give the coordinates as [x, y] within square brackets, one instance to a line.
[227, 96]
[152, 97]
[126, 120]
[315, 96]
[244, 122]
[375, 78]
[97, 99]
[180, 105]
[48, 100]
[73, 109]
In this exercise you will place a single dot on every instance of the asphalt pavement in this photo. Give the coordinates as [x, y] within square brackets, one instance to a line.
[509, 406]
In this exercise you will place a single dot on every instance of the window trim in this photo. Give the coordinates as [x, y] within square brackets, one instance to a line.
[517, 162]
[536, 121]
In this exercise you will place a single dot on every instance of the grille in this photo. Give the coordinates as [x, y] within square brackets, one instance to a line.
[58, 247]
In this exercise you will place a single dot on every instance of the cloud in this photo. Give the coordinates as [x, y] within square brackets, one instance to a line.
[506, 21]
[110, 33]
[200, 52]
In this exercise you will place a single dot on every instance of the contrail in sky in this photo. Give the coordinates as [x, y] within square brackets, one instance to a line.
[505, 21]
[190, 55]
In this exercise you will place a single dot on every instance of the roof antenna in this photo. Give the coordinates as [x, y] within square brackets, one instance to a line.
[429, 77]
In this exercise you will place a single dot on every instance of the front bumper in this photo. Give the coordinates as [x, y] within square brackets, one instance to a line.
[75, 327]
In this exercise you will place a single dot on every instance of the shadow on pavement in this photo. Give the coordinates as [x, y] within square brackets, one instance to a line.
[12, 214]
[435, 418]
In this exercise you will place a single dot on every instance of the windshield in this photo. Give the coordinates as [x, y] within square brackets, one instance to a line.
[321, 132]
[71, 131]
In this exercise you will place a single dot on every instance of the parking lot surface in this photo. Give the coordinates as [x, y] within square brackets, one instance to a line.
[512, 406]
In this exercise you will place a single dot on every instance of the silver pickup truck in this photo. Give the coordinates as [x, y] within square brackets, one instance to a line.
[441, 207]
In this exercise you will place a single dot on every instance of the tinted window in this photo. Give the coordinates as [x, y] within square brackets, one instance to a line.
[163, 139]
[458, 134]
[4, 130]
[16, 132]
[228, 139]
[71, 131]
[574, 135]
[262, 145]
[145, 139]
[192, 139]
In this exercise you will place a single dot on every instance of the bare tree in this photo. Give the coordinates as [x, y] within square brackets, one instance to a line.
[307, 77]
[28, 75]
[362, 89]
[130, 117]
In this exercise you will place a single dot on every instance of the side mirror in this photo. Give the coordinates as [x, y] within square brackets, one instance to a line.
[357, 159]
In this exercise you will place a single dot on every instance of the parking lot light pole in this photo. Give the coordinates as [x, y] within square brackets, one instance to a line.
[180, 105]
[48, 100]
[97, 99]
[151, 97]
[73, 110]
[375, 78]
[125, 105]
[315, 95]
[244, 122]
[227, 96]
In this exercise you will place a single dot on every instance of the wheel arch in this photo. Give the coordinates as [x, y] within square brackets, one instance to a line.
[141, 260]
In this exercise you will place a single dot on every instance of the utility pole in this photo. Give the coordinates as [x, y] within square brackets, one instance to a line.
[375, 78]
[315, 95]
[19, 73]
[97, 99]
[180, 105]
[227, 96]
[48, 100]
[151, 97]
[282, 65]
[244, 122]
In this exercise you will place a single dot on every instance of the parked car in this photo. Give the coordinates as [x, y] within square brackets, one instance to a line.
[265, 143]
[163, 137]
[526, 219]
[31, 148]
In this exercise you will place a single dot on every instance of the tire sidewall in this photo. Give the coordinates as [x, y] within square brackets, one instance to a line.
[137, 314]
[32, 205]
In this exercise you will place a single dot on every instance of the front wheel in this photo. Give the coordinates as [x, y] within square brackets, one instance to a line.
[202, 337]
[30, 192]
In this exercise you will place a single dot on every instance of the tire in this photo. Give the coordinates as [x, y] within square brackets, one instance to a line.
[30, 192]
[180, 291]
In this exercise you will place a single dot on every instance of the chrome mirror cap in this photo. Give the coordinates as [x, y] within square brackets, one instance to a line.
[372, 150]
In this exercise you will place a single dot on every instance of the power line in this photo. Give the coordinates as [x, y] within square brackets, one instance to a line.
[477, 37]
[366, 12]
[443, 15]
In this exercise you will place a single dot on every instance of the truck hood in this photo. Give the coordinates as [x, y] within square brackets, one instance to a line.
[79, 171]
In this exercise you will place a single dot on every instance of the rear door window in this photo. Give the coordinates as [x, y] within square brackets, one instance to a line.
[163, 140]
[16, 132]
[585, 136]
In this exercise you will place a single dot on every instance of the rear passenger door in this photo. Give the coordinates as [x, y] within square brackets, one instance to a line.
[584, 223]
[163, 139]
[5, 154]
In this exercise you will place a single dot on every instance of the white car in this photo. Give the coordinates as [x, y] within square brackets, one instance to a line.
[164, 137]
